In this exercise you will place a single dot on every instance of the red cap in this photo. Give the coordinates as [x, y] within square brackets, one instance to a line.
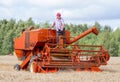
[58, 14]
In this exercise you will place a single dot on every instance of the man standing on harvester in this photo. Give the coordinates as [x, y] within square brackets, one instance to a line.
[60, 29]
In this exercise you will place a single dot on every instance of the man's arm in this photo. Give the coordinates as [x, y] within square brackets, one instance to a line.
[52, 25]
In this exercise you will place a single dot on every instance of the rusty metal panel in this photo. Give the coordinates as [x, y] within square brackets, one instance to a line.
[27, 39]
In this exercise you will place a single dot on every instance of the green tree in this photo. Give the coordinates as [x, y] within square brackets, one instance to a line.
[10, 29]
[114, 48]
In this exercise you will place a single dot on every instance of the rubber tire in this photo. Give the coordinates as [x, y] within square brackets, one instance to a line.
[17, 67]
[31, 68]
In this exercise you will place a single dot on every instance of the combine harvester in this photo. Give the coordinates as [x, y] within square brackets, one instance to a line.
[37, 50]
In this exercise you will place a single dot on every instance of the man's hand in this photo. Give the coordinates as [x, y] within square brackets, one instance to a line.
[51, 28]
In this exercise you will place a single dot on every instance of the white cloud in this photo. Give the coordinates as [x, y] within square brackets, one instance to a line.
[8, 3]
[72, 10]
[43, 2]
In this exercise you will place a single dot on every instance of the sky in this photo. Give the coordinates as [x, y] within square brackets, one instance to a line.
[106, 12]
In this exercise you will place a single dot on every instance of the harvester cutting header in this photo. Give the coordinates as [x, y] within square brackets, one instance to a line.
[39, 51]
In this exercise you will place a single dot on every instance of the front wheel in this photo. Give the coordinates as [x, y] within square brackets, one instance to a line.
[33, 67]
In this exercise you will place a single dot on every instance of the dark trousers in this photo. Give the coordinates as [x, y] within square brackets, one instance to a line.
[61, 33]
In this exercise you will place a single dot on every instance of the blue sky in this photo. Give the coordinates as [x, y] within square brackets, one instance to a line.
[106, 12]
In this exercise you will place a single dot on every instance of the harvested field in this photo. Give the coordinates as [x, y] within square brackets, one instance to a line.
[111, 73]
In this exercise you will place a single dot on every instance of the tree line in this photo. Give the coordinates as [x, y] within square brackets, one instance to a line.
[109, 38]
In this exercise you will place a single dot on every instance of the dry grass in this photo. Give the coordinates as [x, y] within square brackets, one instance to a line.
[111, 73]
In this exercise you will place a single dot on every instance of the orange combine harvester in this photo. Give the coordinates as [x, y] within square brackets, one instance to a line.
[37, 50]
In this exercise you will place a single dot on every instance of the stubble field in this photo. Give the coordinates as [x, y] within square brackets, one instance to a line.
[110, 73]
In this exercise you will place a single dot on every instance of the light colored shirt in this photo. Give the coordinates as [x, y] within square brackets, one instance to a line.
[58, 24]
